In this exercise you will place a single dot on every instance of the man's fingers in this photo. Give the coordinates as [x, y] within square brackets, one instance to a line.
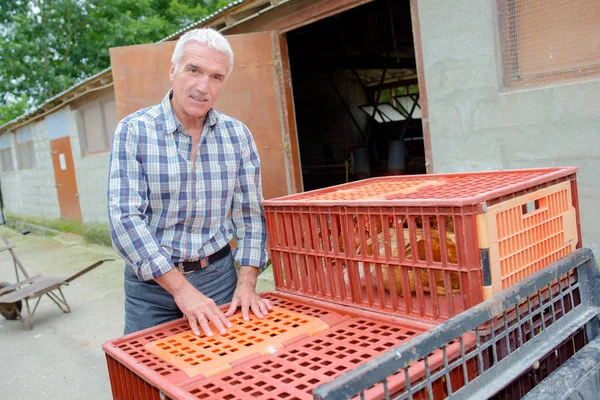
[232, 307]
[267, 302]
[218, 324]
[194, 326]
[256, 309]
[245, 311]
[262, 304]
[205, 327]
[224, 320]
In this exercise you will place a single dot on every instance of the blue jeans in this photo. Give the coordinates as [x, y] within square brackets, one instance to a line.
[147, 304]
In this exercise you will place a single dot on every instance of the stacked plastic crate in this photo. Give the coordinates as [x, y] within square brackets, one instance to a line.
[426, 247]
[299, 345]
[360, 268]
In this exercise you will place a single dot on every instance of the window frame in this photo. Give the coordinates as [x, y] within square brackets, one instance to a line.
[28, 144]
[511, 77]
[3, 161]
[107, 133]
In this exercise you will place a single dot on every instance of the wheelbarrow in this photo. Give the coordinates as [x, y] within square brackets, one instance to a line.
[32, 288]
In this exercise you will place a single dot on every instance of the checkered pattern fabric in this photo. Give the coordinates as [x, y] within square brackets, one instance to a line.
[164, 209]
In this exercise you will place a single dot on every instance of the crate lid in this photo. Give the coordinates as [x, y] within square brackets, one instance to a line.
[458, 189]
[210, 356]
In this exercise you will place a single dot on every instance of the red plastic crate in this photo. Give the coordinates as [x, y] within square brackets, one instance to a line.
[371, 243]
[303, 362]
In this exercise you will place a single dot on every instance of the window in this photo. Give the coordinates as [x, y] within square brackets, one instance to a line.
[98, 121]
[395, 104]
[544, 41]
[25, 150]
[6, 159]
[25, 155]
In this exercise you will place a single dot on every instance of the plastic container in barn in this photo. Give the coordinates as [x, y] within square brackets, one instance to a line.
[423, 246]
[299, 346]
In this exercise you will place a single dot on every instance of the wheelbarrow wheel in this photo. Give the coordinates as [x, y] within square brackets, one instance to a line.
[10, 310]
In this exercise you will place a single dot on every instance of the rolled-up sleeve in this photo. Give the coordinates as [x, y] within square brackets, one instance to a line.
[127, 201]
[247, 212]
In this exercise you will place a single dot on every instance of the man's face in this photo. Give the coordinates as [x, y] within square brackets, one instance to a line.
[199, 80]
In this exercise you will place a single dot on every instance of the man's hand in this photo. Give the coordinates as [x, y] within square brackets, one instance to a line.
[198, 308]
[245, 296]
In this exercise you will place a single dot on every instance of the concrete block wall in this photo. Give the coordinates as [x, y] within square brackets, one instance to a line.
[11, 193]
[31, 192]
[38, 185]
[478, 124]
[92, 176]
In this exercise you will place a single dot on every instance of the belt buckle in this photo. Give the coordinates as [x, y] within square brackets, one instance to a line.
[182, 270]
[203, 264]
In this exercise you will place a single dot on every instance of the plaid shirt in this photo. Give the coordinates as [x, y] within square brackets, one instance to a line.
[164, 209]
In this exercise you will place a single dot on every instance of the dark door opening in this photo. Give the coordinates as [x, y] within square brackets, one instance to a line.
[356, 95]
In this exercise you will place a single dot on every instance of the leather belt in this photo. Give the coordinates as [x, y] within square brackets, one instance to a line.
[187, 267]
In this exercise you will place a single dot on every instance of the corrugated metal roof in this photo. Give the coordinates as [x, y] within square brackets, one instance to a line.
[199, 23]
[86, 80]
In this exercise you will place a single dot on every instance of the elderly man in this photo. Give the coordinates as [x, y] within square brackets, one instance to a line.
[184, 180]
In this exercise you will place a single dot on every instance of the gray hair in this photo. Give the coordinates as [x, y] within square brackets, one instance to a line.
[207, 36]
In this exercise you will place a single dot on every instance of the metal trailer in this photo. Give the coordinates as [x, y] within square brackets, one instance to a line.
[578, 378]
[504, 342]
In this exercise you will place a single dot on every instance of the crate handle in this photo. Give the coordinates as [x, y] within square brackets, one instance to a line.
[534, 207]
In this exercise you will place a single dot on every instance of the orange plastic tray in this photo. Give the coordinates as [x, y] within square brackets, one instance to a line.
[210, 356]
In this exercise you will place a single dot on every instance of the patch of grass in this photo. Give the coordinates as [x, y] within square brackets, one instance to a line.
[97, 233]
[21, 226]
[56, 224]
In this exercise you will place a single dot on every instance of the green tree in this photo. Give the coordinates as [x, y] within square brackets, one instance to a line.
[49, 45]
[13, 108]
